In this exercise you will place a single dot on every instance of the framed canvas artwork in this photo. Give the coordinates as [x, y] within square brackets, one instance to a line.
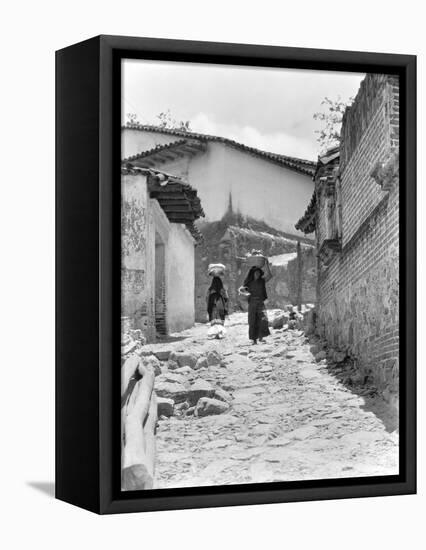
[235, 274]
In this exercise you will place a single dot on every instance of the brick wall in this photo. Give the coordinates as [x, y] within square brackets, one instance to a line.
[358, 285]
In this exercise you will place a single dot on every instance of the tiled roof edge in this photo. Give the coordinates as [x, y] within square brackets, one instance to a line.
[303, 166]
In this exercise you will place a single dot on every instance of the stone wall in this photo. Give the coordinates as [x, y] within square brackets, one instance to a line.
[358, 282]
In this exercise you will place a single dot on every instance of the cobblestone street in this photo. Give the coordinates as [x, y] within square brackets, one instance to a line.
[291, 416]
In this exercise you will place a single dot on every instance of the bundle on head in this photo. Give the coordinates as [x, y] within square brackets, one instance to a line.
[216, 270]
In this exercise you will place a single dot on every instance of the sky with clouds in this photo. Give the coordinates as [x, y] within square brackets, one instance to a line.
[271, 109]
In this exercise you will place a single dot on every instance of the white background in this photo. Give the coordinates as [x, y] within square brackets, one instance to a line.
[30, 33]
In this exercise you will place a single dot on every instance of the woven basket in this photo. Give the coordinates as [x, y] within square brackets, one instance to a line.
[243, 293]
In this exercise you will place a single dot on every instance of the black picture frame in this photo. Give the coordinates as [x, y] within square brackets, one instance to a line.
[88, 273]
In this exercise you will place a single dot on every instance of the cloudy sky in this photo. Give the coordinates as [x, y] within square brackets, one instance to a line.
[271, 109]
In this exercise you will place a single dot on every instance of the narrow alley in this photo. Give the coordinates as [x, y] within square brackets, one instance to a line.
[281, 413]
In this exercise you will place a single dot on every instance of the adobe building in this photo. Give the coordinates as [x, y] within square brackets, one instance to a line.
[354, 213]
[158, 237]
[265, 186]
[251, 199]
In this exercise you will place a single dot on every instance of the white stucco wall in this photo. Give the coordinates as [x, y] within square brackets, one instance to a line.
[135, 141]
[142, 219]
[260, 188]
[180, 279]
[137, 254]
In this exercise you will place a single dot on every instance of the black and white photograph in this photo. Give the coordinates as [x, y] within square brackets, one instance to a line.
[210, 287]
[259, 275]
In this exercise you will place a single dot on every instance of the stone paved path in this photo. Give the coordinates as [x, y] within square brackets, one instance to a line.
[291, 418]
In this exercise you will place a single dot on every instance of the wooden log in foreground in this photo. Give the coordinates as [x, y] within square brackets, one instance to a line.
[128, 371]
[138, 434]
[149, 431]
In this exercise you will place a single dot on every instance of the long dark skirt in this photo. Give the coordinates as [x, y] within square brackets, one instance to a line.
[216, 308]
[257, 319]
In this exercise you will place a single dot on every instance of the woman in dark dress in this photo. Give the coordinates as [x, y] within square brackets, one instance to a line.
[217, 302]
[257, 318]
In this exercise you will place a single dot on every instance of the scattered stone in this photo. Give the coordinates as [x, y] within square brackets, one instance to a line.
[339, 356]
[165, 406]
[162, 353]
[172, 365]
[222, 395]
[214, 358]
[171, 377]
[183, 358]
[186, 371]
[182, 406]
[171, 390]
[320, 356]
[228, 387]
[201, 363]
[279, 321]
[200, 388]
[207, 406]
[190, 411]
[316, 348]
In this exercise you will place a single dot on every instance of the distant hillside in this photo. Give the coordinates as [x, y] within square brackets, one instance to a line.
[229, 240]
[215, 230]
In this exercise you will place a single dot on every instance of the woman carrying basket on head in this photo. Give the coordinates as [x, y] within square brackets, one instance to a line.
[255, 284]
[217, 304]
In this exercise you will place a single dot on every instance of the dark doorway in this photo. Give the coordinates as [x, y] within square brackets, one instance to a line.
[160, 286]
